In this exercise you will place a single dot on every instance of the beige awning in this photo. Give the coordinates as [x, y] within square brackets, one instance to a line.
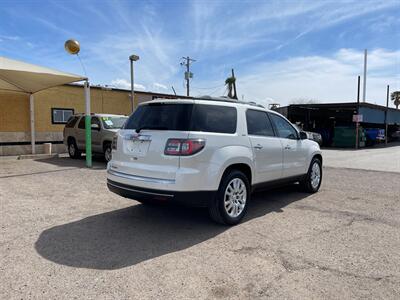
[23, 77]
[27, 78]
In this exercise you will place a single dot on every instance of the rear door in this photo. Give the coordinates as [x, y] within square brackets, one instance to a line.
[267, 148]
[80, 134]
[69, 129]
[294, 150]
[96, 135]
[145, 136]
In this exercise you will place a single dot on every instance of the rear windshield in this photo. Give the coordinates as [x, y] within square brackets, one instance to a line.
[113, 122]
[161, 116]
[184, 117]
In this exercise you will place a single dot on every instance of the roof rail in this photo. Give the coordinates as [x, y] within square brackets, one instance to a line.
[256, 104]
[221, 99]
[226, 99]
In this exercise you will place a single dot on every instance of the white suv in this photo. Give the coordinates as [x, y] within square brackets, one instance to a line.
[208, 152]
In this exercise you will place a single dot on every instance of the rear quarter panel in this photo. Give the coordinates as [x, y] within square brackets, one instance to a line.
[221, 151]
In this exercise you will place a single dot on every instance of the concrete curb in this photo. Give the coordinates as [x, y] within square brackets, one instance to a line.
[37, 156]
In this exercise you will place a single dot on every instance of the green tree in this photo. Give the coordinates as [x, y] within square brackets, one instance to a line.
[395, 96]
[231, 83]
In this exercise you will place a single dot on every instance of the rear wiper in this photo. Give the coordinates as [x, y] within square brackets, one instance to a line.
[151, 127]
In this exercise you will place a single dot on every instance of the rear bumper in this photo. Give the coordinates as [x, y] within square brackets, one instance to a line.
[192, 198]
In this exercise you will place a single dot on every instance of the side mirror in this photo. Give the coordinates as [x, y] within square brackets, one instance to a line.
[95, 127]
[303, 135]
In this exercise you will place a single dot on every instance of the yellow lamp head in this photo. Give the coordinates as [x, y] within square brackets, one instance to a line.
[72, 46]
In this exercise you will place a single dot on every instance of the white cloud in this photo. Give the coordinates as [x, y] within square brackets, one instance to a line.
[139, 86]
[326, 79]
[125, 84]
[260, 24]
[159, 59]
[222, 35]
[10, 37]
[160, 86]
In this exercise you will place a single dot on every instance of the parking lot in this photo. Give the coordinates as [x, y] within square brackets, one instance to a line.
[64, 235]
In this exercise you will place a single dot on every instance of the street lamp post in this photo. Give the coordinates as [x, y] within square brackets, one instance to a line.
[132, 58]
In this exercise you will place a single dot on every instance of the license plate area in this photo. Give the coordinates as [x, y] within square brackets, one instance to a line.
[137, 145]
[138, 148]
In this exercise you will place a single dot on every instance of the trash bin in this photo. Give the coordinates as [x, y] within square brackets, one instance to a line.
[47, 148]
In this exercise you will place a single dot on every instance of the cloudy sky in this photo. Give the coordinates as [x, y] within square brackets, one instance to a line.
[282, 51]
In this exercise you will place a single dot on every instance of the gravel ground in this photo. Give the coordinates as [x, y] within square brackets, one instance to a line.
[379, 158]
[65, 236]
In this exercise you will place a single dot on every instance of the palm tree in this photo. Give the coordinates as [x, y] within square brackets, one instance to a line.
[231, 83]
[395, 96]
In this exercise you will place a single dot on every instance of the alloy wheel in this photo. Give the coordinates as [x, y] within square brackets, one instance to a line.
[235, 197]
[71, 149]
[108, 154]
[315, 175]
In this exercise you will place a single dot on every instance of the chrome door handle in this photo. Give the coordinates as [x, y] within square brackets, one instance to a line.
[258, 147]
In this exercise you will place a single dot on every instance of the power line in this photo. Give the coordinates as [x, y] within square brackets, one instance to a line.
[218, 89]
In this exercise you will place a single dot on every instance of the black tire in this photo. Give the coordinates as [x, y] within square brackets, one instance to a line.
[107, 152]
[73, 150]
[217, 209]
[307, 184]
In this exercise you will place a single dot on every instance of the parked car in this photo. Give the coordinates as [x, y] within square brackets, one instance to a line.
[395, 136]
[211, 153]
[314, 136]
[103, 128]
[394, 133]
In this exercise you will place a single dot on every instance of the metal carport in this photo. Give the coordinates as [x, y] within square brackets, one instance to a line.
[27, 78]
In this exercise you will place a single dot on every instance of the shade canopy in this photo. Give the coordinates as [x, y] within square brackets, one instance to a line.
[23, 77]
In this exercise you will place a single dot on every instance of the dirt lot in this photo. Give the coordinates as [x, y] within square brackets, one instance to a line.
[63, 235]
[379, 158]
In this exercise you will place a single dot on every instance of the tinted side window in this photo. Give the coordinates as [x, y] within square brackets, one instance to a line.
[258, 123]
[214, 118]
[71, 122]
[81, 124]
[95, 120]
[285, 130]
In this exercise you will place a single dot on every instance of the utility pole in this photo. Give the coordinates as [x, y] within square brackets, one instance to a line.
[358, 109]
[365, 76]
[386, 113]
[188, 75]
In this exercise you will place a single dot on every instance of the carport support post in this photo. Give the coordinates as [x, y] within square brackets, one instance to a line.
[358, 109]
[386, 113]
[32, 119]
[88, 129]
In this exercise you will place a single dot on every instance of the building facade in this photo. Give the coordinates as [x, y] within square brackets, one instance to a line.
[52, 109]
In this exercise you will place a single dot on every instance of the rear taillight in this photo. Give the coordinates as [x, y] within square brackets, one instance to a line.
[114, 142]
[184, 146]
